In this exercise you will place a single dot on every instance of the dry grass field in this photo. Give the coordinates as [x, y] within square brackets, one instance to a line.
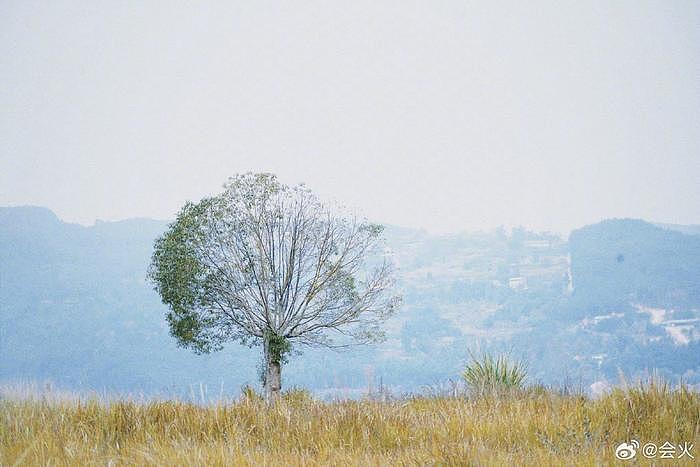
[534, 427]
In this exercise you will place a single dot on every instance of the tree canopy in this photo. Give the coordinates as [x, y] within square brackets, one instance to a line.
[267, 263]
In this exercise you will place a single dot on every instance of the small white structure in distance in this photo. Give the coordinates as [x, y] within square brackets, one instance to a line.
[517, 283]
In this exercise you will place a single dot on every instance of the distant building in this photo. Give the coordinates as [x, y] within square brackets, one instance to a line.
[517, 283]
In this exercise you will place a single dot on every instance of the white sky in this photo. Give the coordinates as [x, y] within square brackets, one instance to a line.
[443, 115]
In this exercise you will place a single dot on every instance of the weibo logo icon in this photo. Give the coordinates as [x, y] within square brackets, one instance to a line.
[625, 451]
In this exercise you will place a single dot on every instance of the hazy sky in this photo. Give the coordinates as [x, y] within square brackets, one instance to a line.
[443, 115]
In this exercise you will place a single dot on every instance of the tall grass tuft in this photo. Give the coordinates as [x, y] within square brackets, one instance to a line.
[494, 374]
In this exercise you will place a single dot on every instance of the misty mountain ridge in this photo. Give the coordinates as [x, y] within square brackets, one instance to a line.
[619, 295]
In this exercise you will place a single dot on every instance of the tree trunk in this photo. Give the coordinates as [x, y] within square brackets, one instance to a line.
[273, 375]
[273, 381]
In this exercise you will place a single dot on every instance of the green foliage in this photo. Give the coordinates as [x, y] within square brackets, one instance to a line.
[180, 278]
[276, 350]
[489, 373]
[278, 347]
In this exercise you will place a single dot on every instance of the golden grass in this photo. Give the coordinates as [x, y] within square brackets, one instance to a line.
[535, 427]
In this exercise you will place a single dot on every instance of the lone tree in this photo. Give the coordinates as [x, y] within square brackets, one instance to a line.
[265, 263]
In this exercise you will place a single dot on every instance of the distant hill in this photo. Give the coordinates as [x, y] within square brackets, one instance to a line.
[686, 229]
[75, 309]
[622, 260]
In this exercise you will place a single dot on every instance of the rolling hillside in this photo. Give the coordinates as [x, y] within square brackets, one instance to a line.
[621, 295]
